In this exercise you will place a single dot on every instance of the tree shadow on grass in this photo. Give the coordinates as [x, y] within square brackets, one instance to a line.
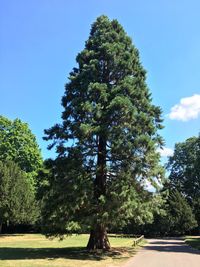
[76, 253]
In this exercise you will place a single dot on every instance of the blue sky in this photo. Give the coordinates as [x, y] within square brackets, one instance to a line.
[40, 39]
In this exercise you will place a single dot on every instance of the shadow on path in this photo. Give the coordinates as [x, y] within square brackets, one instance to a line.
[170, 246]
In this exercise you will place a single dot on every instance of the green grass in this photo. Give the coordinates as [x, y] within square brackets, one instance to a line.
[193, 241]
[34, 250]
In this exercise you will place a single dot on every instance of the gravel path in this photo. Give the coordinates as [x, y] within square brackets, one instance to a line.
[165, 253]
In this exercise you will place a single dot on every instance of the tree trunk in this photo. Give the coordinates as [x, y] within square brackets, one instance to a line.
[100, 181]
[98, 239]
[1, 224]
[98, 235]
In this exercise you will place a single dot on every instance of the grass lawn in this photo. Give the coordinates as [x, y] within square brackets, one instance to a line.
[34, 250]
[193, 241]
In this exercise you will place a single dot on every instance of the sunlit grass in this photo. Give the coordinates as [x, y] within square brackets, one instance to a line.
[34, 250]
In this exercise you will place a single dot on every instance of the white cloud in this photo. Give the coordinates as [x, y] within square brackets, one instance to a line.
[165, 152]
[187, 109]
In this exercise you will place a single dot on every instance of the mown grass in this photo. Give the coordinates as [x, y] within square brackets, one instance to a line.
[193, 241]
[34, 250]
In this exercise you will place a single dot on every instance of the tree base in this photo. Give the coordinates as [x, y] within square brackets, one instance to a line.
[98, 239]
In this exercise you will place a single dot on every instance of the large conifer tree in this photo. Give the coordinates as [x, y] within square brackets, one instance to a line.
[107, 141]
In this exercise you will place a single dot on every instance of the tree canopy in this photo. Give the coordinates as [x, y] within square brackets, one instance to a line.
[175, 217]
[17, 143]
[107, 140]
[20, 160]
[180, 217]
[184, 167]
[17, 199]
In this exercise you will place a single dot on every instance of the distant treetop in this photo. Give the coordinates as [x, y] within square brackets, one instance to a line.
[18, 143]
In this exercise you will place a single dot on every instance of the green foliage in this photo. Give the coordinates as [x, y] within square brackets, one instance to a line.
[179, 214]
[17, 200]
[20, 159]
[18, 144]
[108, 138]
[148, 219]
[66, 193]
[176, 216]
[184, 167]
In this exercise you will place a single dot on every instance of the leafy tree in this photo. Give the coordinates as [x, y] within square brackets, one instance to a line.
[184, 167]
[179, 214]
[152, 210]
[17, 199]
[18, 144]
[107, 141]
[176, 216]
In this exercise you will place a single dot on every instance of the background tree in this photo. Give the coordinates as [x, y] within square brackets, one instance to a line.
[18, 144]
[17, 199]
[154, 212]
[184, 167]
[175, 216]
[180, 216]
[107, 141]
